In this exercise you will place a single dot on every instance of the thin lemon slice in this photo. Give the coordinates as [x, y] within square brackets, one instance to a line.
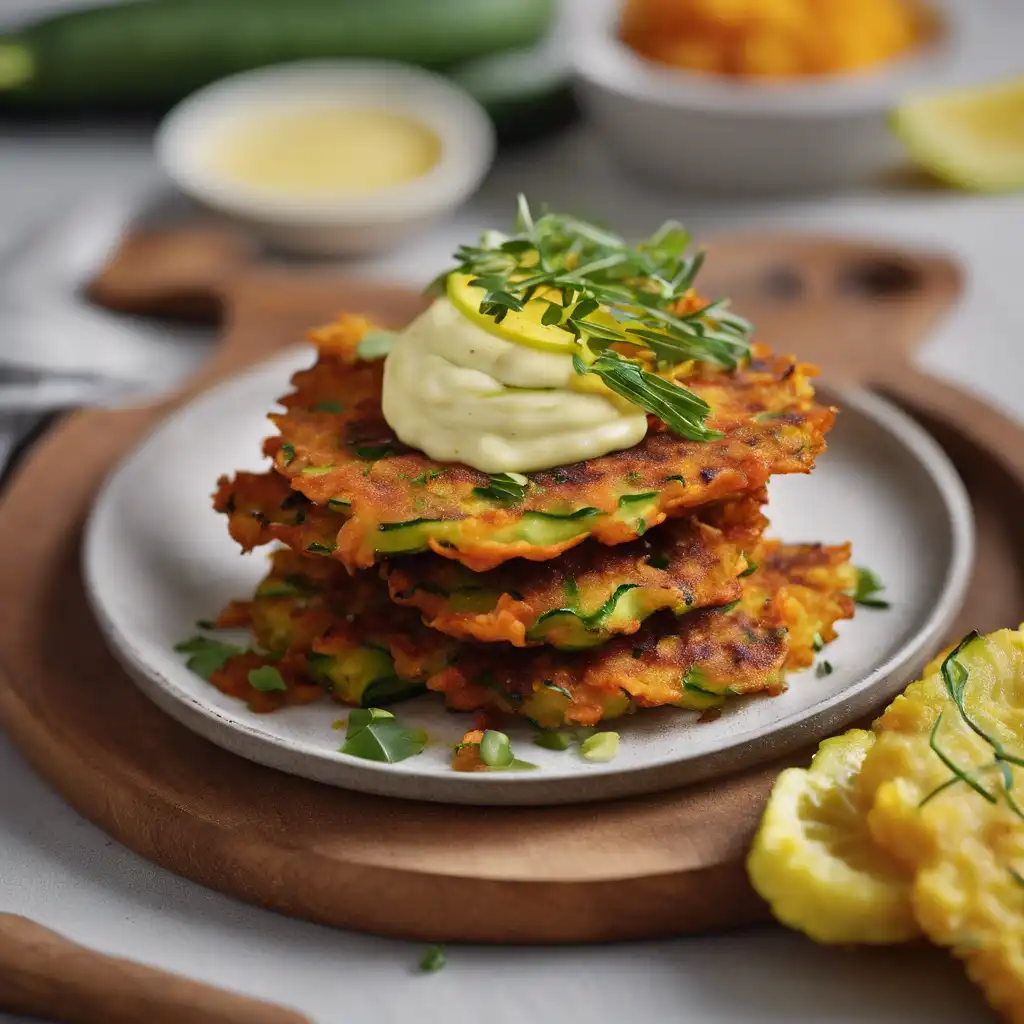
[523, 327]
[971, 138]
[814, 861]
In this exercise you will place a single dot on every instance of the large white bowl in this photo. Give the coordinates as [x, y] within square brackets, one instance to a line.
[713, 133]
[331, 226]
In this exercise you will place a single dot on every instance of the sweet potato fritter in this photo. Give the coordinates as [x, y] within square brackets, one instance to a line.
[335, 446]
[578, 600]
[374, 648]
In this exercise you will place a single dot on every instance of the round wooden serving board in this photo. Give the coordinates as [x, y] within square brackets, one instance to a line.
[661, 864]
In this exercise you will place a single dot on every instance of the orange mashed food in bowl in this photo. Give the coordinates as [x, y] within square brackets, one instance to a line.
[773, 38]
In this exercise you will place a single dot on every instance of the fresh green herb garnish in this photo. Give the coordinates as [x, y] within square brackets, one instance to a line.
[579, 268]
[433, 960]
[374, 735]
[424, 478]
[555, 739]
[868, 584]
[288, 451]
[360, 718]
[824, 669]
[375, 344]
[373, 451]
[505, 488]
[602, 746]
[207, 656]
[681, 410]
[334, 407]
[266, 679]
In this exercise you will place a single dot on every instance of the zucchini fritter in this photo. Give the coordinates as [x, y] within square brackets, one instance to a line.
[373, 651]
[592, 592]
[335, 447]
[578, 600]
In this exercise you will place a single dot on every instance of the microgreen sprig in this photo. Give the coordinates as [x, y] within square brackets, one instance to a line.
[578, 268]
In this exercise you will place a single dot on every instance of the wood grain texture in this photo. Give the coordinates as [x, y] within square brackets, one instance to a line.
[44, 975]
[658, 865]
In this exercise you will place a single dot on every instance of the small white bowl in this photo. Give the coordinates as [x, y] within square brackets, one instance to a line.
[712, 133]
[330, 226]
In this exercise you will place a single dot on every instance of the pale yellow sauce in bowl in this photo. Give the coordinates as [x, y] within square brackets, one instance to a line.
[329, 157]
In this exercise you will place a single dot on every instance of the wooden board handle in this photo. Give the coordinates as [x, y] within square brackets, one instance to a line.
[44, 975]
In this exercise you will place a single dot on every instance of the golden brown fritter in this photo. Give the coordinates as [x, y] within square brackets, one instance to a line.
[335, 446]
[578, 600]
[373, 651]
[592, 592]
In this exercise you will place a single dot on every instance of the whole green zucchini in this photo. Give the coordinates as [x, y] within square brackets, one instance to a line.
[151, 53]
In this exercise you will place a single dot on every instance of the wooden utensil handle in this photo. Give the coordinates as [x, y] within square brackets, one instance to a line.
[44, 975]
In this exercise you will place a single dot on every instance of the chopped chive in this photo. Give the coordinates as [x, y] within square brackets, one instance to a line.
[602, 746]
[496, 749]
[433, 960]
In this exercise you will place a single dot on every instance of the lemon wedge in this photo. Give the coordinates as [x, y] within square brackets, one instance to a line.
[524, 326]
[814, 861]
[970, 138]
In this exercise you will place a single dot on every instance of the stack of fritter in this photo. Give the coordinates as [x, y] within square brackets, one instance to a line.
[573, 594]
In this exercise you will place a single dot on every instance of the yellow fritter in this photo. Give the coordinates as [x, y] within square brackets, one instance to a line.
[814, 861]
[944, 778]
[335, 447]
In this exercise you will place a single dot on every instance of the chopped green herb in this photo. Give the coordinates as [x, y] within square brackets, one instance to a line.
[373, 451]
[868, 584]
[385, 741]
[602, 746]
[433, 960]
[824, 669]
[681, 410]
[266, 679]
[375, 344]
[207, 656]
[330, 406]
[558, 689]
[555, 739]
[360, 718]
[288, 451]
[426, 477]
[504, 488]
[583, 267]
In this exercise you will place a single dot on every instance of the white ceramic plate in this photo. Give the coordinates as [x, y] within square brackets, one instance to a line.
[157, 558]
